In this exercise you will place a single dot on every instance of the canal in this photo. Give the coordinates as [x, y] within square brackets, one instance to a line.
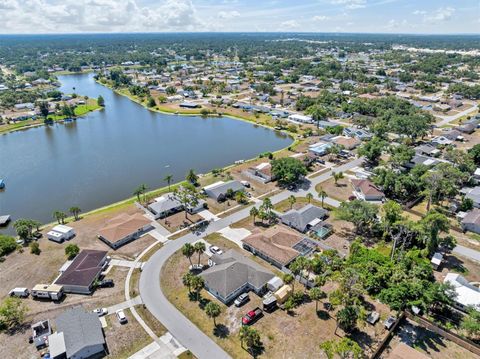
[101, 158]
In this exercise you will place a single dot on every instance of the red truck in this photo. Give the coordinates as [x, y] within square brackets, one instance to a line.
[252, 316]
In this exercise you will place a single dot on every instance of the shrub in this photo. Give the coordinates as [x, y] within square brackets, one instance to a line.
[7, 245]
[35, 248]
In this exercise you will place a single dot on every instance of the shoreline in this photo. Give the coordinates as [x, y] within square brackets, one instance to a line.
[42, 123]
[161, 190]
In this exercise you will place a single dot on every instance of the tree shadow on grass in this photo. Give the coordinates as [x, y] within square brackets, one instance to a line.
[323, 314]
[221, 331]
[202, 303]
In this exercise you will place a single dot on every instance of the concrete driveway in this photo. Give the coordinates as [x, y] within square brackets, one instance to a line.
[236, 235]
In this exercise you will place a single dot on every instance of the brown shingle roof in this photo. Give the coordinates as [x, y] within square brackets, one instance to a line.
[84, 269]
[366, 187]
[276, 244]
[123, 225]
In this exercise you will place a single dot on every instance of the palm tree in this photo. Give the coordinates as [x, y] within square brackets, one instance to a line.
[337, 176]
[254, 213]
[322, 195]
[197, 285]
[188, 250]
[187, 281]
[191, 177]
[241, 197]
[59, 216]
[168, 179]
[288, 279]
[75, 211]
[346, 318]
[140, 190]
[250, 337]
[309, 197]
[199, 247]
[292, 200]
[316, 294]
[213, 310]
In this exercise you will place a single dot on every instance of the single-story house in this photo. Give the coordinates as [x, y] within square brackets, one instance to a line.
[300, 118]
[305, 218]
[421, 160]
[189, 105]
[233, 274]
[358, 133]
[427, 150]
[79, 335]
[473, 194]
[365, 190]
[219, 190]
[349, 143]
[441, 141]
[319, 148]
[82, 273]
[454, 135]
[468, 295]
[471, 222]
[165, 206]
[262, 172]
[278, 246]
[60, 233]
[124, 228]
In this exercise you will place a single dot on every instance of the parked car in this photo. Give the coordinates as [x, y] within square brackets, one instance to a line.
[100, 311]
[252, 316]
[19, 292]
[106, 283]
[389, 322]
[215, 250]
[121, 316]
[241, 299]
[195, 267]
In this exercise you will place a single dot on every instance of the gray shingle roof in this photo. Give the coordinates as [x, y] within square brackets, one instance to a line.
[80, 329]
[232, 270]
[299, 219]
[221, 189]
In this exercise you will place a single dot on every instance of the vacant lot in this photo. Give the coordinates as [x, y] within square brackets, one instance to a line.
[178, 221]
[300, 202]
[283, 335]
[340, 191]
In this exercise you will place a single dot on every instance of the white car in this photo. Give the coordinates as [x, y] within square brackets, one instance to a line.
[121, 316]
[215, 250]
[101, 311]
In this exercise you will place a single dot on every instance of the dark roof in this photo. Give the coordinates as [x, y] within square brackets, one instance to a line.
[299, 219]
[84, 269]
[80, 329]
[232, 270]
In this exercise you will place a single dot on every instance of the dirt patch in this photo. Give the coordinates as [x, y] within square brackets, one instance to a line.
[341, 191]
[178, 221]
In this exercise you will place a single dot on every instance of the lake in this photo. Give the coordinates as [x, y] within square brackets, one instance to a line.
[101, 158]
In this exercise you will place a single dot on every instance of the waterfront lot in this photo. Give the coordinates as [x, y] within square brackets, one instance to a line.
[278, 330]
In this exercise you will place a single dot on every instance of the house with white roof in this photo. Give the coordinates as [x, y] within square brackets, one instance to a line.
[468, 295]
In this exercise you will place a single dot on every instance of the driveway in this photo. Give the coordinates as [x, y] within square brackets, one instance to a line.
[467, 252]
[202, 346]
[236, 235]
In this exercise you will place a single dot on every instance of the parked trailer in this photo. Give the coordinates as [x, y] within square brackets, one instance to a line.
[19, 292]
[46, 291]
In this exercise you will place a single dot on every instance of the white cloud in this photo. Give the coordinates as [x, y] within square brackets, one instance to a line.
[227, 15]
[289, 24]
[43, 16]
[419, 12]
[350, 4]
[320, 18]
[440, 15]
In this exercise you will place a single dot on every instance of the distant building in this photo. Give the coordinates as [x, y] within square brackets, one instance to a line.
[468, 295]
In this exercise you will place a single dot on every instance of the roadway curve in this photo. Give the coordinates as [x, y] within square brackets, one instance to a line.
[202, 346]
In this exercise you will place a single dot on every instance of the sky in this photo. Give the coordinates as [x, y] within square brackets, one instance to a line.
[353, 16]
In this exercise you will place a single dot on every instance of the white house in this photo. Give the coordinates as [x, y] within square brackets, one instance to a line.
[60, 233]
[300, 118]
[468, 295]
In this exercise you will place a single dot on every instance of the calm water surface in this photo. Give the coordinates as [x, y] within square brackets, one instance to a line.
[101, 158]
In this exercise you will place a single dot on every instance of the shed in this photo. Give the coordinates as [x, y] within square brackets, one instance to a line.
[274, 284]
[283, 293]
[437, 260]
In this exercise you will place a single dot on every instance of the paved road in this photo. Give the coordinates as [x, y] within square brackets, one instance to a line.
[447, 119]
[181, 328]
[467, 252]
